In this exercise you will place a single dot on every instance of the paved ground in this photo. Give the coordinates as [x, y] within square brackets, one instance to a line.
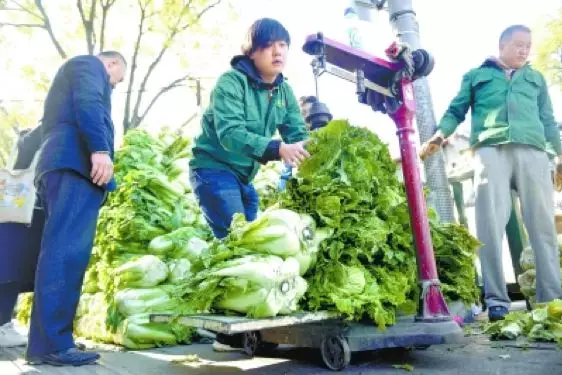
[476, 356]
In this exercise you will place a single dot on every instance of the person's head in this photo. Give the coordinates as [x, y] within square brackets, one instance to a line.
[306, 103]
[115, 65]
[515, 45]
[267, 45]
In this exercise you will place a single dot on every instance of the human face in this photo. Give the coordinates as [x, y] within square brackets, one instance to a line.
[116, 69]
[515, 51]
[270, 61]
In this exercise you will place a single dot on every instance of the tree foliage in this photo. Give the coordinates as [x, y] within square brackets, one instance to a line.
[549, 51]
[87, 27]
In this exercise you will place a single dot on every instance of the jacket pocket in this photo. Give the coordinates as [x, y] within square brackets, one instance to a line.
[485, 86]
[481, 80]
[528, 86]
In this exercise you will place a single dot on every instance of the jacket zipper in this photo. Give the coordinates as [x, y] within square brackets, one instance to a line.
[269, 108]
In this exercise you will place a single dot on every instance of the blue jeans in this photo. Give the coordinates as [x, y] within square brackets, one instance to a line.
[71, 205]
[221, 194]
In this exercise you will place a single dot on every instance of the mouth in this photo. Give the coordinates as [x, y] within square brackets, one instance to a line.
[277, 63]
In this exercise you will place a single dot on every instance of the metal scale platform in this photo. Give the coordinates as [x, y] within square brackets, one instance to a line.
[386, 86]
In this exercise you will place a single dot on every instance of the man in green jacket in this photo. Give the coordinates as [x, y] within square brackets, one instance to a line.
[512, 121]
[249, 104]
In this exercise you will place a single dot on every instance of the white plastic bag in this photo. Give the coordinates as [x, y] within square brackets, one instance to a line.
[17, 194]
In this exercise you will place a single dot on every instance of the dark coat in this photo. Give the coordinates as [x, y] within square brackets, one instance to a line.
[77, 118]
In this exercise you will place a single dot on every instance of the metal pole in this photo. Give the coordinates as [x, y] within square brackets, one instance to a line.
[403, 20]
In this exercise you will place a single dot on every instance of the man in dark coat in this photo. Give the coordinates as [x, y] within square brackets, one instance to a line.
[74, 174]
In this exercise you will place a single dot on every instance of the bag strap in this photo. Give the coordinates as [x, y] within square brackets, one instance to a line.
[13, 156]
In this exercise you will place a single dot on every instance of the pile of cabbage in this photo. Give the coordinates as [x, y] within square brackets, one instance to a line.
[337, 239]
[257, 269]
[149, 233]
[527, 280]
[366, 268]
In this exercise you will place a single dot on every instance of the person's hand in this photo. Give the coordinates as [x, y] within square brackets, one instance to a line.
[432, 145]
[293, 154]
[558, 174]
[102, 168]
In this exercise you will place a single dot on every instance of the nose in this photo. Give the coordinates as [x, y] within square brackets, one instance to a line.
[278, 48]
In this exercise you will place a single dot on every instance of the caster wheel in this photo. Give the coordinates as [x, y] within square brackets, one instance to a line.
[253, 344]
[335, 353]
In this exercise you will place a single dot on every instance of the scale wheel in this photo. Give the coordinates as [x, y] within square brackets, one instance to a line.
[335, 352]
[253, 344]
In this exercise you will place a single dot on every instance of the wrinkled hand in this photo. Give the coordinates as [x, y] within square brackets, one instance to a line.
[432, 145]
[102, 168]
[293, 154]
[558, 174]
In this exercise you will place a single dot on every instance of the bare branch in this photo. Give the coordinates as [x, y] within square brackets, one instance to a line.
[127, 120]
[48, 27]
[29, 25]
[189, 120]
[201, 13]
[21, 8]
[88, 24]
[175, 83]
[105, 6]
[107, 3]
[175, 30]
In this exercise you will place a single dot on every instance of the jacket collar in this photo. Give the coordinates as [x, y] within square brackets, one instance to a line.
[245, 65]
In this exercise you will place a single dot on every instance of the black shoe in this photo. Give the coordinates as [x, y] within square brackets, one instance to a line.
[68, 357]
[496, 313]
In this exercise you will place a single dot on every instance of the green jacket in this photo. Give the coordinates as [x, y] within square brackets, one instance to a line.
[504, 111]
[238, 127]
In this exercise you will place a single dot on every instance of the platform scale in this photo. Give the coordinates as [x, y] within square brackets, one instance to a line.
[386, 86]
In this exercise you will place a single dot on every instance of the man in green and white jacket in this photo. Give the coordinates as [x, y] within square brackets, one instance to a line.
[512, 123]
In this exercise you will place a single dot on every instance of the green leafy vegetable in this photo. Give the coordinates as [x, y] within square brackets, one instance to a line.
[455, 255]
[256, 285]
[544, 323]
[349, 186]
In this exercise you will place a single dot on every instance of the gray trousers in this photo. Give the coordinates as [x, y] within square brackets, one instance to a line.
[497, 170]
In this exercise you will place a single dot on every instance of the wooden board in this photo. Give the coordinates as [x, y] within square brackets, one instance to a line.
[237, 324]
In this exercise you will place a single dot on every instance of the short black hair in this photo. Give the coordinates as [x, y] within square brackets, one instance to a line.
[262, 32]
[308, 99]
[507, 34]
[119, 55]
